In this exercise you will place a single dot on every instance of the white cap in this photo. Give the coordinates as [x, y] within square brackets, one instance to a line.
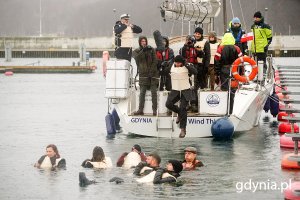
[125, 16]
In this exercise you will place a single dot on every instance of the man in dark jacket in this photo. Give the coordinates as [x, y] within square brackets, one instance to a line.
[226, 54]
[164, 58]
[237, 32]
[124, 31]
[152, 163]
[146, 62]
[168, 174]
[180, 72]
[262, 33]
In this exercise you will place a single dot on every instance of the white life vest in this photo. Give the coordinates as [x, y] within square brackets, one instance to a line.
[200, 45]
[150, 177]
[127, 37]
[213, 51]
[180, 78]
[106, 163]
[46, 164]
[131, 160]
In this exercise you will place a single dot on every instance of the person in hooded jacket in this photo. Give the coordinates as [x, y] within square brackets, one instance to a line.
[146, 62]
[226, 54]
[168, 174]
[262, 33]
[124, 31]
[235, 28]
[164, 58]
[214, 44]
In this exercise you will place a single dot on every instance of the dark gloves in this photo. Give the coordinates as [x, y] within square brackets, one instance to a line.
[266, 48]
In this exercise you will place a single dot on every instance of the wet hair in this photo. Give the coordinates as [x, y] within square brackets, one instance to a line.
[53, 146]
[156, 157]
[98, 154]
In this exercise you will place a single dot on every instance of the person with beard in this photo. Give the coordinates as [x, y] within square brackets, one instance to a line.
[235, 28]
[124, 31]
[262, 33]
[146, 62]
[164, 58]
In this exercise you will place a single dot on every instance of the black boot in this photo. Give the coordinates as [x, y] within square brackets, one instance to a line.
[83, 181]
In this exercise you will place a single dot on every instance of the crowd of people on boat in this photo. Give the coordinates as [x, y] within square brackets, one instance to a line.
[200, 64]
[146, 168]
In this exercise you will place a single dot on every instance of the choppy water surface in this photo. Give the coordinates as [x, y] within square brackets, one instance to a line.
[69, 109]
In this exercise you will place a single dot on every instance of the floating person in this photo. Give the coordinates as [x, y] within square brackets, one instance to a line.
[152, 163]
[133, 158]
[51, 160]
[124, 31]
[190, 159]
[181, 90]
[146, 62]
[169, 174]
[99, 160]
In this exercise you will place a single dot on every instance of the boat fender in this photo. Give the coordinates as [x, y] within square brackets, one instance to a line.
[110, 126]
[274, 104]
[235, 67]
[267, 105]
[284, 114]
[105, 58]
[286, 127]
[287, 142]
[222, 129]
[292, 191]
[117, 120]
[8, 73]
[287, 163]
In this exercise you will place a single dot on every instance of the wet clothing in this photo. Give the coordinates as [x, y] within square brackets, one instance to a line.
[237, 33]
[124, 40]
[226, 54]
[46, 162]
[164, 176]
[106, 163]
[164, 58]
[146, 62]
[123, 157]
[262, 39]
[196, 163]
[143, 168]
[180, 91]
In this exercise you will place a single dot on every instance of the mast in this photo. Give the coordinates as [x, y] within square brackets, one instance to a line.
[224, 15]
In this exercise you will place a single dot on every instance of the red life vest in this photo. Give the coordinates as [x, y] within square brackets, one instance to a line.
[159, 55]
[191, 55]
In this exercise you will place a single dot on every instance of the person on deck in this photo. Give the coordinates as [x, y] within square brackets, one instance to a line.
[124, 31]
[146, 62]
[190, 159]
[168, 174]
[51, 160]
[181, 90]
[128, 160]
[226, 54]
[99, 160]
[262, 33]
[214, 44]
[164, 58]
[237, 32]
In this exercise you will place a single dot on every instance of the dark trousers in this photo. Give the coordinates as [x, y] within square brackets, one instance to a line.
[262, 56]
[123, 53]
[143, 89]
[225, 81]
[165, 82]
[201, 77]
[211, 76]
[181, 110]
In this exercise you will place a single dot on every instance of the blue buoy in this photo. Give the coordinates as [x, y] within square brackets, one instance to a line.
[117, 120]
[274, 104]
[110, 125]
[222, 129]
[267, 105]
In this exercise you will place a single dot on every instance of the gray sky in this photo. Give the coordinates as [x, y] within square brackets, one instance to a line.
[96, 17]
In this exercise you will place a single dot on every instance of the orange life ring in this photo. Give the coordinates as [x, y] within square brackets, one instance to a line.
[235, 65]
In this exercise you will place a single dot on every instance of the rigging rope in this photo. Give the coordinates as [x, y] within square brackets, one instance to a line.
[231, 9]
[243, 16]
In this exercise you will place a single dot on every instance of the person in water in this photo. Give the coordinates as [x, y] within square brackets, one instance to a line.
[128, 160]
[190, 159]
[51, 160]
[99, 160]
[152, 164]
[168, 174]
